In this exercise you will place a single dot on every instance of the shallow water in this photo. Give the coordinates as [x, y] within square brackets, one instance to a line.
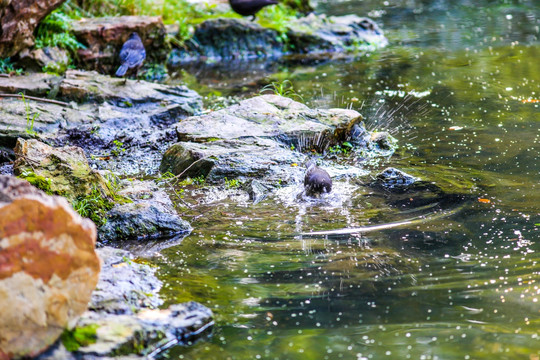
[461, 280]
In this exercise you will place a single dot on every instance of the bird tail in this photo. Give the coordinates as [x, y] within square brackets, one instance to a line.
[122, 70]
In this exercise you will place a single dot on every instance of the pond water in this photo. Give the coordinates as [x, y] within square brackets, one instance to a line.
[459, 88]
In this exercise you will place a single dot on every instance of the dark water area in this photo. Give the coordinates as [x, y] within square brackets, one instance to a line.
[459, 88]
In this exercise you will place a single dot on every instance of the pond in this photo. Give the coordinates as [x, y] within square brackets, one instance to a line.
[459, 88]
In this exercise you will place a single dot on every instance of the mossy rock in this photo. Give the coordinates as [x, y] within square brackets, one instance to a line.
[63, 171]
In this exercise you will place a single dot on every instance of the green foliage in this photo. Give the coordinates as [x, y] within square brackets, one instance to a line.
[55, 68]
[277, 17]
[29, 120]
[282, 88]
[7, 67]
[118, 148]
[38, 181]
[114, 186]
[54, 30]
[199, 180]
[93, 206]
[180, 12]
[232, 183]
[80, 336]
[345, 148]
[96, 204]
[154, 72]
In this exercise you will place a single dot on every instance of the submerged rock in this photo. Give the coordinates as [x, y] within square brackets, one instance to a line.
[48, 267]
[394, 179]
[103, 38]
[228, 39]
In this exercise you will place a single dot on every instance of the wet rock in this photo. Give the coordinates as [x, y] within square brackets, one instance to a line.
[103, 38]
[126, 126]
[124, 316]
[257, 191]
[124, 286]
[315, 34]
[228, 39]
[18, 20]
[254, 139]
[382, 140]
[89, 85]
[62, 171]
[150, 215]
[48, 267]
[266, 116]
[35, 84]
[123, 334]
[48, 120]
[394, 179]
[259, 158]
[54, 58]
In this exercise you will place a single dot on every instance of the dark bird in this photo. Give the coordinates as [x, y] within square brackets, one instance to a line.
[250, 7]
[317, 180]
[132, 55]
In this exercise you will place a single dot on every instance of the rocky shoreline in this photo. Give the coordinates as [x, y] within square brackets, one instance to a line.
[118, 150]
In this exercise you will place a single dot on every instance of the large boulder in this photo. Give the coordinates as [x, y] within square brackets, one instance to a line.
[18, 20]
[254, 139]
[48, 268]
[104, 37]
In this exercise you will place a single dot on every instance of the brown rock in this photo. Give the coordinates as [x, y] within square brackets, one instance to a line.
[18, 20]
[48, 267]
[104, 37]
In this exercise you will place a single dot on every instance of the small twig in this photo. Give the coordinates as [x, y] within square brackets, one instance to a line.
[5, 75]
[35, 99]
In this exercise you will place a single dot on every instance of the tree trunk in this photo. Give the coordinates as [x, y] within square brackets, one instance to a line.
[18, 20]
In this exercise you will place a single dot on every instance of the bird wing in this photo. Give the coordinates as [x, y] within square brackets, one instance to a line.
[132, 54]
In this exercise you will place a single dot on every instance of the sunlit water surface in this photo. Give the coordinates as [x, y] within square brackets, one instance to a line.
[459, 88]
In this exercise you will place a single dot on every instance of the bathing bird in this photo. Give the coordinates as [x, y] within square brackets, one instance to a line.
[250, 7]
[317, 180]
[132, 55]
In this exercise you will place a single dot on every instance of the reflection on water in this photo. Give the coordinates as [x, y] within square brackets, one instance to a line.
[462, 280]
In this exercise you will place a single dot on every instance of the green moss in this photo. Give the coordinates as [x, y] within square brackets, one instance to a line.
[38, 181]
[54, 31]
[56, 68]
[80, 336]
